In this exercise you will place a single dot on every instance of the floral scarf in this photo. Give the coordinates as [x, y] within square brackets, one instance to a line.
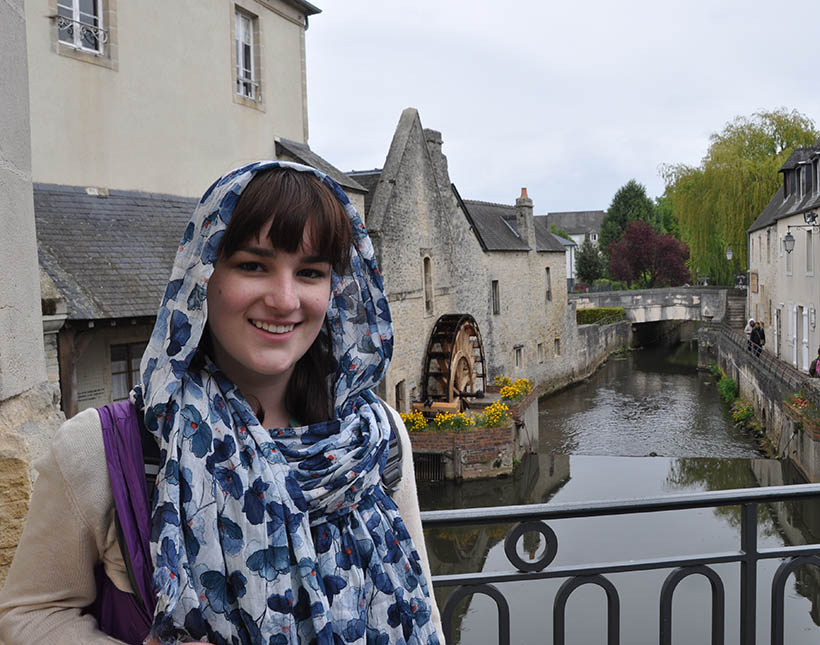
[275, 536]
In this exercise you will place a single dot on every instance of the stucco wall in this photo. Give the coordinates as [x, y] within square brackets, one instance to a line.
[164, 119]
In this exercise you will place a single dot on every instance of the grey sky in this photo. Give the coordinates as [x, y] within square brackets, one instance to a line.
[569, 99]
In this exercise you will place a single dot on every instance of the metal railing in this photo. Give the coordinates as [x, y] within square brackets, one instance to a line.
[784, 371]
[534, 517]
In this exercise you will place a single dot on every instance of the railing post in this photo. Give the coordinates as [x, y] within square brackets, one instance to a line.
[748, 573]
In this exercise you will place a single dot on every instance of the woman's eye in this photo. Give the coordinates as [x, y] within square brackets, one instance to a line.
[250, 267]
[315, 274]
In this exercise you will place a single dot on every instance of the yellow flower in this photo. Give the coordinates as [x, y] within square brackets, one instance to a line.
[414, 421]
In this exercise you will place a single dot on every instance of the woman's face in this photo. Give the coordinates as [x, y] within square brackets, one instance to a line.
[265, 309]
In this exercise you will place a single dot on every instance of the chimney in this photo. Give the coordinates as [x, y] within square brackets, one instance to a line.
[524, 223]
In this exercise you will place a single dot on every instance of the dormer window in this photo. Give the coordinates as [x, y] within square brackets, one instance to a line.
[803, 172]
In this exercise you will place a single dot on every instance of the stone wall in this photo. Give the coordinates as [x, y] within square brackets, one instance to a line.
[478, 453]
[28, 403]
[766, 382]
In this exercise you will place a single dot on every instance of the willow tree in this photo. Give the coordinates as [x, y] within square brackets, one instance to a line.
[718, 200]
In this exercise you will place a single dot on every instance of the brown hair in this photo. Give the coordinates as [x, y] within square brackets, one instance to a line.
[294, 199]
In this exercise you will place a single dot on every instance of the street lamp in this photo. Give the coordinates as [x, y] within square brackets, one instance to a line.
[788, 242]
[729, 254]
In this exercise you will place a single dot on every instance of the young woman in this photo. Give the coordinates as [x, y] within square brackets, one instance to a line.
[269, 523]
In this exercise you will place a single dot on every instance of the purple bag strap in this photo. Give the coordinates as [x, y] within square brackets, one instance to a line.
[126, 470]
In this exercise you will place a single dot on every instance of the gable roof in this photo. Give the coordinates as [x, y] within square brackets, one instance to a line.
[110, 257]
[577, 222]
[301, 153]
[494, 226]
[779, 205]
[547, 240]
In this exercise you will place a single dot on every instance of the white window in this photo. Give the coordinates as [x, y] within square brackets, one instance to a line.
[802, 170]
[247, 83]
[80, 25]
[809, 253]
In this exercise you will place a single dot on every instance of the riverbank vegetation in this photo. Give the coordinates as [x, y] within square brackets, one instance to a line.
[742, 411]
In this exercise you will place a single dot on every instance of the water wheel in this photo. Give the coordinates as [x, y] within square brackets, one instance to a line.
[454, 361]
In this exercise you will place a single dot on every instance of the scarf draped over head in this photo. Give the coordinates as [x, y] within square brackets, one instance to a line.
[285, 535]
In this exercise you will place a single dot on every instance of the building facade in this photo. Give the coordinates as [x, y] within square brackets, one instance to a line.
[784, 260]
[443, 255]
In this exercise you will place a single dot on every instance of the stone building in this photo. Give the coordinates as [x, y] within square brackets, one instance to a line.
[443, 255]
[784, 261]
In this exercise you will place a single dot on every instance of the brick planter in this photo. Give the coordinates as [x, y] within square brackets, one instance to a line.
[472, 454]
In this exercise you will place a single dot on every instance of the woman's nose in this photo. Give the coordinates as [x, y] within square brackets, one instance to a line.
[282, 295]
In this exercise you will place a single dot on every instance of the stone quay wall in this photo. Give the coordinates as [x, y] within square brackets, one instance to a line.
[766, 382]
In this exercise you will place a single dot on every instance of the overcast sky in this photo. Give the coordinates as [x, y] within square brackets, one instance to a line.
[569, 99]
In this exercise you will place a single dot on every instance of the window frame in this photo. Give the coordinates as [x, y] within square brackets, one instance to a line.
[129, 370]
[108, 52]
[495, 297]
[241, 15]
[548, 279]
[427, 284]
[76, 21]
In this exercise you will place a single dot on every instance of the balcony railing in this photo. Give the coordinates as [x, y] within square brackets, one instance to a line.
[535, 517]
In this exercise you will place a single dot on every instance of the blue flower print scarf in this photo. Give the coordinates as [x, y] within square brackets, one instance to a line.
[275, 536]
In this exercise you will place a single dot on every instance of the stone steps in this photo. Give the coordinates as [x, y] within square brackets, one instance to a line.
[736, 312]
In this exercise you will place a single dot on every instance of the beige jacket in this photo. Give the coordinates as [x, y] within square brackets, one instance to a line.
[70, 528]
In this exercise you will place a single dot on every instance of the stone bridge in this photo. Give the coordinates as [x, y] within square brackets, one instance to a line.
[720, 304]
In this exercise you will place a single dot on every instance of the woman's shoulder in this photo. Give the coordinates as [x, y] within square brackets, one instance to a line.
[79, 453]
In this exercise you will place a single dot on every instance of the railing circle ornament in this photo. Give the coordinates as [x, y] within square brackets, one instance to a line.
[511, 544]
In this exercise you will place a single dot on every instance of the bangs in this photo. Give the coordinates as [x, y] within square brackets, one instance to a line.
[293, 200]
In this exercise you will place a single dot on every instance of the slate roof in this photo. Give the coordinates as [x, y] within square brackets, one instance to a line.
[369, 179]
[780, 206]
[494, 225]
[301, 153]
[547, 240]
[578, 222]
[110, 257]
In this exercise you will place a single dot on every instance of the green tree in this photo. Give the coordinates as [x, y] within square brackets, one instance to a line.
[589, 265]
[665, 215]
[717, 201]
[630, 204]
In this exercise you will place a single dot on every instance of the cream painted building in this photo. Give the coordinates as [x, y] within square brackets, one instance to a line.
[784, 262]
[162, 96]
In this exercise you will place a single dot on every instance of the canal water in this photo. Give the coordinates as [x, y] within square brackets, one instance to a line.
[647, 424]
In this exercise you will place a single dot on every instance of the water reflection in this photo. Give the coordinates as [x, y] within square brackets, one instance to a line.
[632, 406]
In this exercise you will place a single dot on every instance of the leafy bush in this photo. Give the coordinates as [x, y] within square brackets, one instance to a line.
[495, 415]
[716, 371]
[592, 316]
[516, 390]
[741, 411]
[727, 388]
[414, 421]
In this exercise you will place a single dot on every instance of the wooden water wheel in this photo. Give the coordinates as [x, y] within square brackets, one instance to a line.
[454, 361]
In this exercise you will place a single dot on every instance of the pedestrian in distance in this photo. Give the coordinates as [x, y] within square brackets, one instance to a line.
[814, 368]
[761, 338]
[755, 339]
[270, 520]
[748, 331]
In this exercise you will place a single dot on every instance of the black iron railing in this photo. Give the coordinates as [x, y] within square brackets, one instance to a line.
[534, 517]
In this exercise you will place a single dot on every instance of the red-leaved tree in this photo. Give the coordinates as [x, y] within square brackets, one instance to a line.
[649, 258]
